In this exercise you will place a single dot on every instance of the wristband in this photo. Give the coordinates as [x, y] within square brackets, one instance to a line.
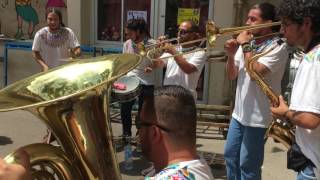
[246, 47]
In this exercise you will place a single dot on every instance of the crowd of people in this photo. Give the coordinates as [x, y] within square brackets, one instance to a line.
[167, 115]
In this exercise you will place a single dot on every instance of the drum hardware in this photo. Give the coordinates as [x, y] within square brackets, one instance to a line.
[72, 100]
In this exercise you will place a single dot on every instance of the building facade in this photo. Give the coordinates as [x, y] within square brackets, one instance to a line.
[101, 23]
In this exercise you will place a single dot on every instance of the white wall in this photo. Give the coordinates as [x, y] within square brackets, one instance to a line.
[74, 17]
[218, 83]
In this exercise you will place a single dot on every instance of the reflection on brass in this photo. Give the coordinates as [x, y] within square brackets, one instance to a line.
[280, 130]
[72, 100]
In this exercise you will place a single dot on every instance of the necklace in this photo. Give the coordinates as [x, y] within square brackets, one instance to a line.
[55, 39]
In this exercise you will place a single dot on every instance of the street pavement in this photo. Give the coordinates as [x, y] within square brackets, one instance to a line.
[19, 128]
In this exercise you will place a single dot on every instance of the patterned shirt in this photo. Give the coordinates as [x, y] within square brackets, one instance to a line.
[305, 98]
[187, 170]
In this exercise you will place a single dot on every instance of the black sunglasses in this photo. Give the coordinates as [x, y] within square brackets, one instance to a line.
[183, 32]
[146, 124]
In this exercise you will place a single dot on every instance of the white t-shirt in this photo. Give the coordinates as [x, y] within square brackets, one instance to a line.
[53, 47]
[175, 76]
[145, 78]
[305, 97]
[252, 107]
[195, 169]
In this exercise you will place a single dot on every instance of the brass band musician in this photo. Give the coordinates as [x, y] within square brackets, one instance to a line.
[244, 149]
[301, 27]
[183, 70]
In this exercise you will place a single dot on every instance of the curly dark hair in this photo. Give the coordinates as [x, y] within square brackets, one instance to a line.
[138, 25]
[296, 10]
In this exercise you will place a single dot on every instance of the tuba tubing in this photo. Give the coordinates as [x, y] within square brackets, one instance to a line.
[47, 154]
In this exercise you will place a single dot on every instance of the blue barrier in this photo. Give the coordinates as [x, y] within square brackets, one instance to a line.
[27, 46]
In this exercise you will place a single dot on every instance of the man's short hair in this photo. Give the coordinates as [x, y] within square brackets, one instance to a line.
[175, 109]
[296, 10]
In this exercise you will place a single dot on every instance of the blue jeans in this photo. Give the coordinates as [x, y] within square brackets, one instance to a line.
[307, 173]
[244, 151]
[126, 108]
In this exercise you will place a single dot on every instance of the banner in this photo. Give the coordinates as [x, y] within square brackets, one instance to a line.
[137, 15]
[188, 14]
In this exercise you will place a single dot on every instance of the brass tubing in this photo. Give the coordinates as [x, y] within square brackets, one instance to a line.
[237, 30]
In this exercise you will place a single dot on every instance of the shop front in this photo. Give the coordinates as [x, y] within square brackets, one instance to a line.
[162, 17]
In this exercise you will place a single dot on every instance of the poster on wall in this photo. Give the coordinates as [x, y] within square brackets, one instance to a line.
[187, 14]
[137, 15]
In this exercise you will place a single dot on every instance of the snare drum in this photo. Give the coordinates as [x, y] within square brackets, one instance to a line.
[131, 92]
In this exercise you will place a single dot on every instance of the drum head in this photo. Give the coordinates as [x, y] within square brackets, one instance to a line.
[131, 83]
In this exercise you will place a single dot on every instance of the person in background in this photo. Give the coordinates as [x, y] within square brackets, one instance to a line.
[137, 31]
[183, 70]
[55, 43]
[301, 27]
[244, 148]
[167, 143]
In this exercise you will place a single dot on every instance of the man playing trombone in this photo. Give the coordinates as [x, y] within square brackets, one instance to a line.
[183, 70]
[244, 149]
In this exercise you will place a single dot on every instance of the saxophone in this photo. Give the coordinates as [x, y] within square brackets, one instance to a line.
[280, 130]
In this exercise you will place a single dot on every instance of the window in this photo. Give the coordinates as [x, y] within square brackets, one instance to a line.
[180, 10]
[111, 14]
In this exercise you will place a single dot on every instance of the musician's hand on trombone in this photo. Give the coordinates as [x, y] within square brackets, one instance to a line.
[169, 48]
[148, 70]
[231, 47]
[244, 37]
[158, 63]
[161, 41]
[166, 45]
[280, 111]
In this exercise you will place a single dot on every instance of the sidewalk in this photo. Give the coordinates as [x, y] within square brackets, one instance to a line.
[274, 167]
[19, 128]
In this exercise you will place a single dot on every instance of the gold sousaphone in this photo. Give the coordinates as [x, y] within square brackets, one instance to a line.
[72, 100]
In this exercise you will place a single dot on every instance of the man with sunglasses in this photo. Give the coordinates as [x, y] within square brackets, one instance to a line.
[244, 149]
[301, 27]
[183, 70]
[170, 146]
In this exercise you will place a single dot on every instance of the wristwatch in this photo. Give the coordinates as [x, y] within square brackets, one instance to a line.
[246, 47]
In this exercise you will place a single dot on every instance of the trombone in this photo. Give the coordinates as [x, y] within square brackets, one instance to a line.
[212, 33]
